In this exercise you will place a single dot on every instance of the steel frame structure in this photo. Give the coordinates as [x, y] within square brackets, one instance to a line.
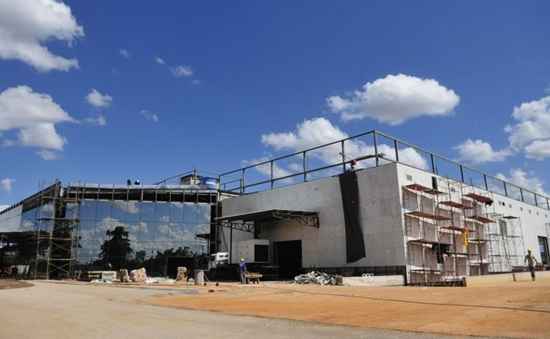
[235, 180]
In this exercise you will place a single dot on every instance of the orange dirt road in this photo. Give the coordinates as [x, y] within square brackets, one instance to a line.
[489, 306]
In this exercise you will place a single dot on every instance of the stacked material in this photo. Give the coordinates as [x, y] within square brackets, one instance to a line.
[182, 274]
[123, 275]
[318, 278]
[165, 281]
[139, 275]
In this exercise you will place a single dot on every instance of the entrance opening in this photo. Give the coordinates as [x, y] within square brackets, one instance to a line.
[288, 256]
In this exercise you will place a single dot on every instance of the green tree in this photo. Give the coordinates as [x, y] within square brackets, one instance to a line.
[116, 250]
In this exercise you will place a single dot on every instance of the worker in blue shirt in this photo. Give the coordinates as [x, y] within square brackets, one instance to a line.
[242, 270]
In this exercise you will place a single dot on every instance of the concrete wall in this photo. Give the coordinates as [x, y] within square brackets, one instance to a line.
[381, 216]
[381, 196]
[325, 246]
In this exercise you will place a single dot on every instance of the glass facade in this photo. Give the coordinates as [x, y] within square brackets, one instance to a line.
[152, 226]
[98, 234]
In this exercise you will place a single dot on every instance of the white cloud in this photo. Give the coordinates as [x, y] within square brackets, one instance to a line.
[149, 115]
[521, 178]
[6, 184]
[538, 149]
[318, 131]
[124, 53]
[47, 154]
[100, 120]
[395, 99]
[160, 61]
[26, 25]
[34, 116]
[265, 169]
[479, 151]
[3, 207]
[98, 100]
[130, 207]
[182, 71]
[532, 128]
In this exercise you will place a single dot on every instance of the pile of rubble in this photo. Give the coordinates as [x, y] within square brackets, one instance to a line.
[182, 274]
[135, 276]
[319, 278]
[139, 275]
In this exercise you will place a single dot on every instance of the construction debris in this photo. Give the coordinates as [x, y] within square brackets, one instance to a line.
[182, 274]
[99, 276]
[101, 281]
[319, 278]
[167, 281]
[124, 277]
[139, 275]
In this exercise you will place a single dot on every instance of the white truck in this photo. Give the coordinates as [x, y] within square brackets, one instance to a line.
[218, 260]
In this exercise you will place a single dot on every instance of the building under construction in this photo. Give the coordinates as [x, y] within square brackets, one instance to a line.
[370, 203]
[66, 229]
[382, 206]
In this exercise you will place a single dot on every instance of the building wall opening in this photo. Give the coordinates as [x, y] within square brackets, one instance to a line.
[288, 256]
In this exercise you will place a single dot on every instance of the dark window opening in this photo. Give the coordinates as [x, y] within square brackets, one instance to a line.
[261, 253]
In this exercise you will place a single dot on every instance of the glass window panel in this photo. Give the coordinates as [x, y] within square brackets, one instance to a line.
[103, 209]
[147, 211]
[162, 212]
[176, 211]
[88, 210]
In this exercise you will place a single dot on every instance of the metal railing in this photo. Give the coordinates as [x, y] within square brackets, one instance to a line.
[369, 149]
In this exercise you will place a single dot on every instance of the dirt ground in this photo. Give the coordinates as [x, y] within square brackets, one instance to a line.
[9, 283]
[489, 306]
[63, 310]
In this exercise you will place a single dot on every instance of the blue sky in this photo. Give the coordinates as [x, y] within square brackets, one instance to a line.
[231, 72]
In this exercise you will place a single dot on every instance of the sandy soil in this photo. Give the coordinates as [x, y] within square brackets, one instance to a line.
[85, 311]
[8, 283]
[489, 306]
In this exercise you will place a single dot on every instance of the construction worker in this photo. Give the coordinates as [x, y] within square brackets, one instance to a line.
[531, 262]
[242, 270]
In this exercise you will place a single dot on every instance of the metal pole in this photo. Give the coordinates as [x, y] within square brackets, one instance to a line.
[304, 164]
[396, 150]
[485, 182]
[375, 148]
[434, 170]
[343, 156]
[242, 180]
[521, 194]
[230, 244]
[505, 188]
[461, 173]
[271, 173]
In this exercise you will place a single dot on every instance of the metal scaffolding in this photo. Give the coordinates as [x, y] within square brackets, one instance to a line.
[56, 234]
[451, 233]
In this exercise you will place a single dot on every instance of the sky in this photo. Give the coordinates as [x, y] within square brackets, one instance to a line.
[102, 91]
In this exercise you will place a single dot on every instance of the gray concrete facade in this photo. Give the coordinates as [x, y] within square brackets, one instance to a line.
[382, 215]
